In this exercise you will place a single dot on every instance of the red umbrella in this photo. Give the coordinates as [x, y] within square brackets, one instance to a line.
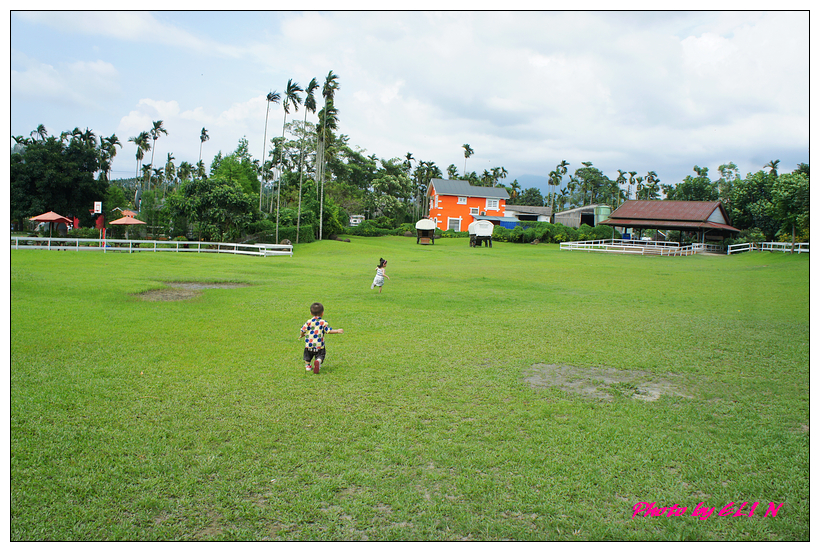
[51, 217]
[127, 221]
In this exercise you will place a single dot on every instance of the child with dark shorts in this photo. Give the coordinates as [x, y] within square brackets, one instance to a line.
[314, 331]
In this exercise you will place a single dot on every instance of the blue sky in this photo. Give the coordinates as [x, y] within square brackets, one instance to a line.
[629, 90]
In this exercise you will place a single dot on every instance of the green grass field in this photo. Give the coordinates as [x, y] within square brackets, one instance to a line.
[195, 419]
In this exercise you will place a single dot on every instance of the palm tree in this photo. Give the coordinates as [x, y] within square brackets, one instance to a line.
[516, 188]
[143, 144]
[639, 188]
[170, 170]
[185, 171]
[272, 97]
[562, 199]
[620, 181]
[631, 182]
[408, 170]
[108, 150]
[310, 105]
[155, 132]
[771, 165]
[328, 119]
[203, 137]
[291, 97]
[468, 152]
[651, 185]
[200, 169]
[89, 138]
[40, 132]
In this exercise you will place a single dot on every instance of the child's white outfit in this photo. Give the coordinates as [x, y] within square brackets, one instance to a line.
[379, 279]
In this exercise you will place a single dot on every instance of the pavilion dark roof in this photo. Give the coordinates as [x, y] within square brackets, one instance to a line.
[703, 215]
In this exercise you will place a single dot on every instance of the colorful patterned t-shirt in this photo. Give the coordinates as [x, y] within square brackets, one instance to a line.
[315, 330]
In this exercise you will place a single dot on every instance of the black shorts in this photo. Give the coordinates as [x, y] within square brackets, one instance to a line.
[310, 354]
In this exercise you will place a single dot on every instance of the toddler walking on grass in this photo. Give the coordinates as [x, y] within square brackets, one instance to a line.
[314, 331]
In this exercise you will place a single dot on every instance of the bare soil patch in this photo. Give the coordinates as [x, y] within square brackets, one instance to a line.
[606, 383]
[179, 291]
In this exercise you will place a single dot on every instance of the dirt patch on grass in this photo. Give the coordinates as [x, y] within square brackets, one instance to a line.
[606, 383]
[179, 291]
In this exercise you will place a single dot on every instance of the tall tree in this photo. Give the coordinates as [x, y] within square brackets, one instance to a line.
[155, 132]
[328, 120]
[53, 175]
[620, 181]
[468, 152]
[310, 105]
[200, 169]
[772, 166]
[291, 98]
[108, 150]
[184, 171]
[39, 133]
[790, 200]
[170, 171]
[272, 97]
[143, 143]
[203, 137]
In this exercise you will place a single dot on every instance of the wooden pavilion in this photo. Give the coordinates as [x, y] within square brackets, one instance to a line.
[707, 220]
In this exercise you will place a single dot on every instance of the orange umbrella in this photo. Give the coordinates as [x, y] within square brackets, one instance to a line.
[51, 217]
[127, 221]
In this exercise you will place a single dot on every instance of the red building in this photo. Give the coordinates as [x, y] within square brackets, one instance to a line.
[454, 204]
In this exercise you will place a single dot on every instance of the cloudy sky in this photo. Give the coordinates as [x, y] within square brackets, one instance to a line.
[629, 90]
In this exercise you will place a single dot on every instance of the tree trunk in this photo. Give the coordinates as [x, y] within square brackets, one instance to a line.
[792, 238]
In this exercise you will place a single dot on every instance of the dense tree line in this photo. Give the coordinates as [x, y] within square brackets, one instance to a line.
[311, 179]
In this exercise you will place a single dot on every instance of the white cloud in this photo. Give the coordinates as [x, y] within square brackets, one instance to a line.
[82, 84]
[525, 89]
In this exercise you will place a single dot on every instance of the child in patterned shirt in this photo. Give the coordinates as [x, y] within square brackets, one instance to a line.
[314, 331]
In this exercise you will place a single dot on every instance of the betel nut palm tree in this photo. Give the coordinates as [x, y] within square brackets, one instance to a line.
[772, 166]
[143, 143]
[272, 97]
[328, 120]
[108, 150]
[468, 152]
[310, 105]
[203, 137]
[291, 98]
[155, 132]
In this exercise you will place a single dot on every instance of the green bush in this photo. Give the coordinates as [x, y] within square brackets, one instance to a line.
[307, 234]
[749, 235]
[368, 229]
[87, 232]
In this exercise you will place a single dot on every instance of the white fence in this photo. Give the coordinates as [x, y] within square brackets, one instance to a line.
[641, 247]
[136, 246]
[784, 247]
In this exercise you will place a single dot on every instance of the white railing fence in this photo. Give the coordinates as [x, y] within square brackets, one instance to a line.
[783, 247]
[640, 247]
[136, 246]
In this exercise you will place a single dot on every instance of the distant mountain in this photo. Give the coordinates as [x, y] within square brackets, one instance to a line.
[531, 181]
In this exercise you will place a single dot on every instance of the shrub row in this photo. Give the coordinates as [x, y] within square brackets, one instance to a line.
[307, 234]
[552, 233]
